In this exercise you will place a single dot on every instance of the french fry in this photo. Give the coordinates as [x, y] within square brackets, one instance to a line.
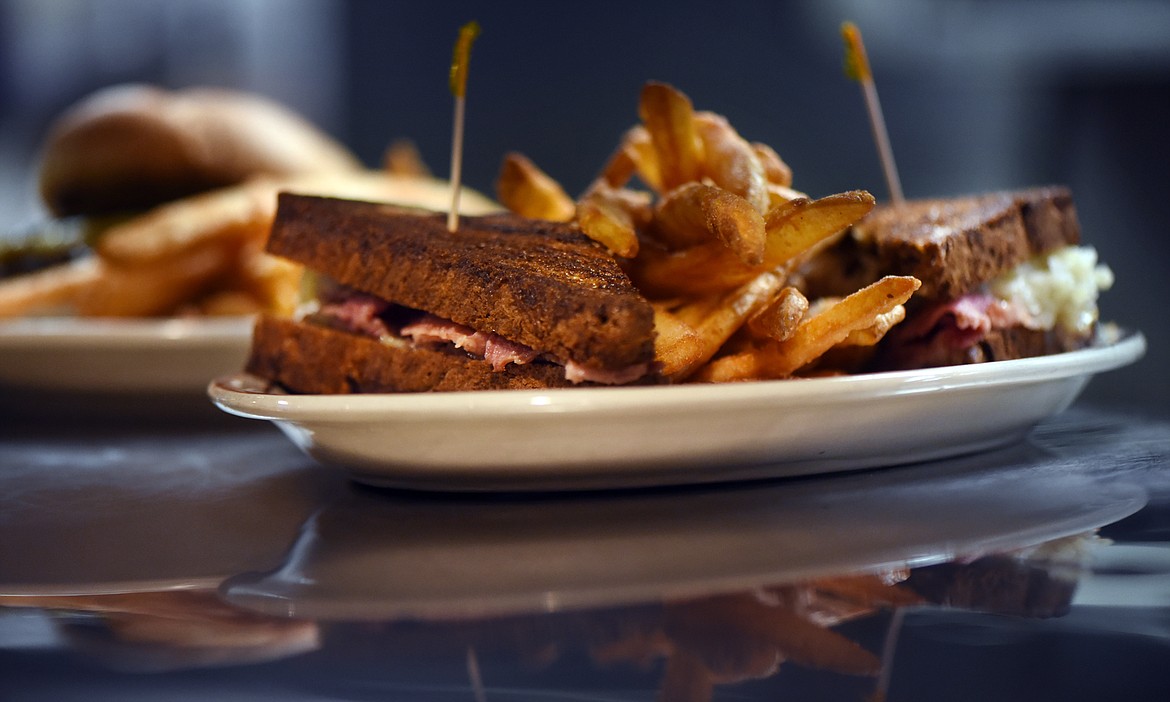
[815, 336]
[779, 320]
[145, 291]
[692, 312]
[634, 155]
[796, 227]
[272, 281]
[730, 161]
[669, 118]
[229, 215]
[402, 158]
[49, 290]
[776, 170]
[873, 334]
[703, 270]
[695, 213]
[528, 191]
[227, 303]
[677, 345]
[719, 323]
[244, 212]
[611, 217]
[792, 230]
[780, 194]
[868, 336]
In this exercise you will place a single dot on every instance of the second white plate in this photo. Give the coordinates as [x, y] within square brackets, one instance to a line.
[623, 437]
[120, 356]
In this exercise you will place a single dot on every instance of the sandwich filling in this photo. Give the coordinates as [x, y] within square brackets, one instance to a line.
[339, 307]
[1057, 292]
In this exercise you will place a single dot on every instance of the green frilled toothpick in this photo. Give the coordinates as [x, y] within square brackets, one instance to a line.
[857, 68]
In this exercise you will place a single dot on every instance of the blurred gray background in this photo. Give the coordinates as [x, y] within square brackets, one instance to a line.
[978, 95]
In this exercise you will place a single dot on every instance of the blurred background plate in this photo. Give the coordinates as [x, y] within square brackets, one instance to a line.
[121, 356]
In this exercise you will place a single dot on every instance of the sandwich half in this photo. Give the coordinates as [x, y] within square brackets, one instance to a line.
[1003, 276]
[399, 304]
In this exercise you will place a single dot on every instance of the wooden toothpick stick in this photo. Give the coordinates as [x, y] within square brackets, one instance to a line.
[857, 68]
[458, 82]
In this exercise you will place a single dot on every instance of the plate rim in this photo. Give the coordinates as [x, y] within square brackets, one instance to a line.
[123, 333]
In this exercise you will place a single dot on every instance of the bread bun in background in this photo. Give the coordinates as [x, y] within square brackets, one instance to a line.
[129, 147]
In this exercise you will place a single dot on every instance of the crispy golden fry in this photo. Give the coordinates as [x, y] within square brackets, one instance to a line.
[706, 269]
[792, 230]
[797, 226]
[157, 289]
[692, 312]
[529, 192]
[677, 345]
[172, 230]
[862, 337]
[245, 212]
[221, 233]
[695, 213]
[608, 225]
[780, 194]
[814, 336]
[272, 281]
[611, 217]
[402, 158]
[669, 118]
[779, 320]
[797, 639]
[882, 324]
[716, 324]
[227, 303]
[700, 270]
[52, 289]
[634, 155]
[730, 161]
[775, 169]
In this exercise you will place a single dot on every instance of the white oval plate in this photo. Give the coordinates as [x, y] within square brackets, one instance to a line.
[120, 356]
[622, 437]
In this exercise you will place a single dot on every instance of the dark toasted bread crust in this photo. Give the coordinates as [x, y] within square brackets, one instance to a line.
[953, 246]
[308, 358]
[542, 284]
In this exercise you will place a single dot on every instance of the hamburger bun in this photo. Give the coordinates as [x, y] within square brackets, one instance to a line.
[129, 147]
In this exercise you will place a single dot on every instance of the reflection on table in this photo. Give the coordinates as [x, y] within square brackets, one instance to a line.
[239, 568]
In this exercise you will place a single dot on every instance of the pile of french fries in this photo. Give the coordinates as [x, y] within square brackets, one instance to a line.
[714, 238]
[204, 255]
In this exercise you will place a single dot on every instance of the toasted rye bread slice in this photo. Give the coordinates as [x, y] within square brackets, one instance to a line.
[309, 358]
[542, 284]
[952, 245]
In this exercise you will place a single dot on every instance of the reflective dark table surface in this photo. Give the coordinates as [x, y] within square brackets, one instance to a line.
[198, 560]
